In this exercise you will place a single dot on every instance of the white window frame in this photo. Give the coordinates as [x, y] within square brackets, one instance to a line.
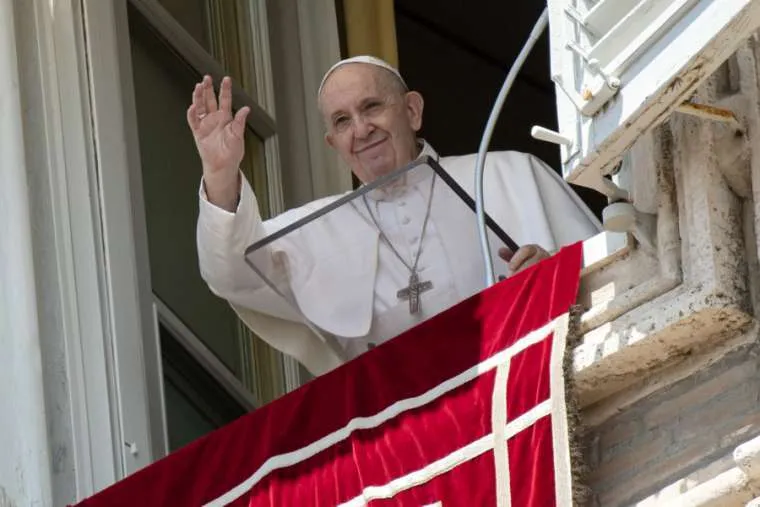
[110, 323]
[703, 33]
[110, 118]
[194, 346]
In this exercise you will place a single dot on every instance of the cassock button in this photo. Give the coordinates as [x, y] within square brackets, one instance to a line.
[405, 220]
[402, 203]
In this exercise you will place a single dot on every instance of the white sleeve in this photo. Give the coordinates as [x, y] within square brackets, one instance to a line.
[222, 238]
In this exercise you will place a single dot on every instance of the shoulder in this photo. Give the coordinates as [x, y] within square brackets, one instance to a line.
[499, 164]
[505, 160]
[294, 214]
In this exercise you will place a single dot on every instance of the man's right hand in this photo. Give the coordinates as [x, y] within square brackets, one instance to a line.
[219, 138]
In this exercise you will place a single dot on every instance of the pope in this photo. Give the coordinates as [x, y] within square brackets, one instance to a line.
[365, 273]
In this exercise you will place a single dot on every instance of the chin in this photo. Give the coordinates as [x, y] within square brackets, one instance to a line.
[378, 168]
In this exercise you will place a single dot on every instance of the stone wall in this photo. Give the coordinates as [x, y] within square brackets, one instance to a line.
[668, 370]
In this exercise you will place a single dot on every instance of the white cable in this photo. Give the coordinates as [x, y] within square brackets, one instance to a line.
[538, 28]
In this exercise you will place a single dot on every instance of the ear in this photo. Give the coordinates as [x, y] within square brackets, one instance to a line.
[414, 106]
[329, 140]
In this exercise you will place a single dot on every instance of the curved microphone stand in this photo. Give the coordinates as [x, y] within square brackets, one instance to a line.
[538, 28]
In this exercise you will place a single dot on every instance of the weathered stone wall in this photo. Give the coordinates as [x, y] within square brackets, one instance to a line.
[668, 370]
[679, 436]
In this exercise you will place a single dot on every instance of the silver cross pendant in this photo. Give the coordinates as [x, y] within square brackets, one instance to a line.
[413, 291]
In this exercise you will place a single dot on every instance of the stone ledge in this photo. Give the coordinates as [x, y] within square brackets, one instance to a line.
[617, 354]
[734, 487]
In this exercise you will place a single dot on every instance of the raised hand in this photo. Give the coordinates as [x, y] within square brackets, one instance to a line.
[219, 139]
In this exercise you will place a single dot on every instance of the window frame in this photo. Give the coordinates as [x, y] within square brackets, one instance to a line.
[600, 123]
[263, 125]
[97, 37]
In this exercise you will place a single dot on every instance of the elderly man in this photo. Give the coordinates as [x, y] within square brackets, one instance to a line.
[356, 299]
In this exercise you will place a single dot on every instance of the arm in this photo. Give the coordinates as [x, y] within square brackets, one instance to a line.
[229, 219]
[222, 237]
[567, 215]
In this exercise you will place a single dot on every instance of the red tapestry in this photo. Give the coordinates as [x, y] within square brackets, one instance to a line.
[466, 409]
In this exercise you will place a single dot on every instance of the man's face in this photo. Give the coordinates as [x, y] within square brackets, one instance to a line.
[371, 122]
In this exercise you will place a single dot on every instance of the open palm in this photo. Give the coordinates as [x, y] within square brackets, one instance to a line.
[218, 135]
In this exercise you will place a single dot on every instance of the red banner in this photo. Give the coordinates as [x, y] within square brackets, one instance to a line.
[466, 409]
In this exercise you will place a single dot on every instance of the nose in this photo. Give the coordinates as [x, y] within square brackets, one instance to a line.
[362, 128]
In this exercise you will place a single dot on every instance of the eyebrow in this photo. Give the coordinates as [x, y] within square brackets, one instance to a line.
[363, 103]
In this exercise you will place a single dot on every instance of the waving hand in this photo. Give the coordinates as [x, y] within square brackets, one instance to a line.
[219, 138]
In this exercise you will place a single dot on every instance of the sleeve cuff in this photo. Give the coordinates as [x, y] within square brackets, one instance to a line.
[243, 219]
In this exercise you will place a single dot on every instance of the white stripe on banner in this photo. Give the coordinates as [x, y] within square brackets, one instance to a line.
[291, 458]
[456, 458]
[498, 424]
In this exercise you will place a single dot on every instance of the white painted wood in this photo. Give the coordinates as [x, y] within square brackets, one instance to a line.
[660, 70]
[205, 357]
[150, 337]
[25, 469]
[128, 319]
[65, 135]
[191, 51]
[606, 14]
[637, 30]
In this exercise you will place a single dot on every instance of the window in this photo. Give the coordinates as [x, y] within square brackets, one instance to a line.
[195, 402]
[172, 45]
[620, 66]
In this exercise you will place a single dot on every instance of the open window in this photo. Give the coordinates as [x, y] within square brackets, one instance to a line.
[621, 66]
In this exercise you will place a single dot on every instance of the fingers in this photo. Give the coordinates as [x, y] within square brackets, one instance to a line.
[225, 95]
[204, 103]
[505, 253]
[520, 257]
[193, 118]
[526, 256]
[199, 102]
[237, 126]
[208, 95]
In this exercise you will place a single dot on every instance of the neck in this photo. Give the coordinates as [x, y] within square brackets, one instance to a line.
[419, 145]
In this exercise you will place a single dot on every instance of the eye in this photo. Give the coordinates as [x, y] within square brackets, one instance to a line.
[340, 121]
[373, 106]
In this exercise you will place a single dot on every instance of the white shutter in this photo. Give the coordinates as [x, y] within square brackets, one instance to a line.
[620, 66]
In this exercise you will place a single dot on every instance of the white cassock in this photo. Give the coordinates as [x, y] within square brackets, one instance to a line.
[343, 276]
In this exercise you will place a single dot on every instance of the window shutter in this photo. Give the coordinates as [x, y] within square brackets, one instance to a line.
[620, 67]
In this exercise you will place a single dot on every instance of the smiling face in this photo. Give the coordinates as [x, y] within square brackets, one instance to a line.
[372, 121]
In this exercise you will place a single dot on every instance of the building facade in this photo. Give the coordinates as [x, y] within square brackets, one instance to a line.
[115, 353]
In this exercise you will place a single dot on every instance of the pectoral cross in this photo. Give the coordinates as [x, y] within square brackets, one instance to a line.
[413, 291]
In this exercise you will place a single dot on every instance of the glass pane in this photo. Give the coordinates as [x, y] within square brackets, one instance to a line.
[195, 403]
[223, 28]
[232, 41]
[171, 174]
[194, 17]
[293, 263]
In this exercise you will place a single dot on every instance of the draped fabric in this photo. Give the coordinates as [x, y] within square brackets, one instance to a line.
[466, 409]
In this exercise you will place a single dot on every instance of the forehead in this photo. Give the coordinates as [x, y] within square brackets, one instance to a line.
[350, 84]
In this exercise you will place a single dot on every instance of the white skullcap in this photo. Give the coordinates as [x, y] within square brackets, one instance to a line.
[371, 60]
